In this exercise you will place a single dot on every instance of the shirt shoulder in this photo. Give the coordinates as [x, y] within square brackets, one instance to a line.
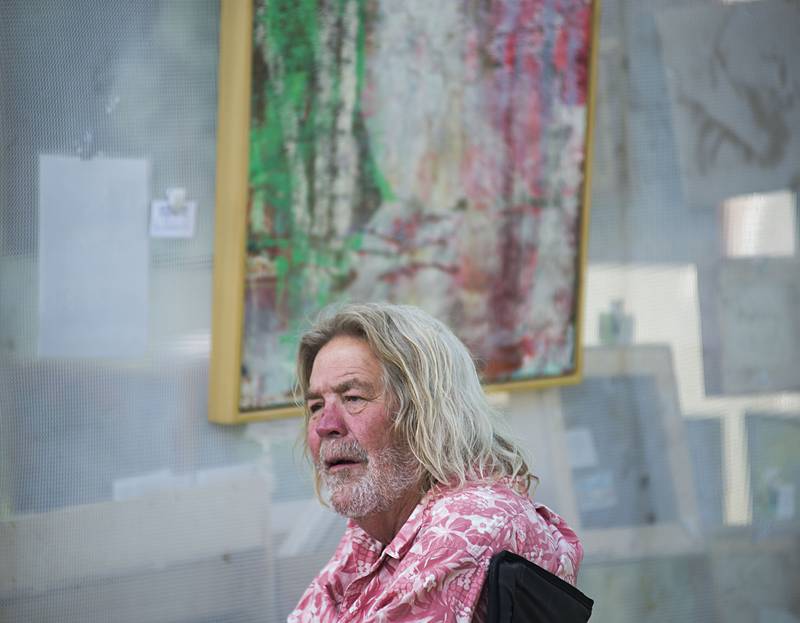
[474, 514]
[483, 518]
[481, 499]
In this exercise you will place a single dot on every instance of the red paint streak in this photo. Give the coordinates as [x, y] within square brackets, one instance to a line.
[578, 25]
[584, 27]
[528, 345]
[504, 360]
[481, 175]
[404, 232]
[472, 275]
[368, 99]
[517, 118]
[472, 56]
[563, 301]
[425, 176]
[560, 53]
[510, 51]
[409, 271]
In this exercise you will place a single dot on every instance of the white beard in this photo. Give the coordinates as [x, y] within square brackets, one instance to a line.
[389, 475]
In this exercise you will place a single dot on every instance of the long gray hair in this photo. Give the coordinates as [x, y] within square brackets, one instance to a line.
[429, 378]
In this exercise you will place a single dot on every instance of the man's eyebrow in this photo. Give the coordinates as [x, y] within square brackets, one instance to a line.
[343, 387]
[353, 384]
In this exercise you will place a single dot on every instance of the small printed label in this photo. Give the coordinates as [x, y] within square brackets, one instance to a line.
[170, 221]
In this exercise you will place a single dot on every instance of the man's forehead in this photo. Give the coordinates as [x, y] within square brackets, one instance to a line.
[345, 360]
[345, 355]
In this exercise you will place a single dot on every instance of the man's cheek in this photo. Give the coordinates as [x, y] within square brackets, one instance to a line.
[313, 446]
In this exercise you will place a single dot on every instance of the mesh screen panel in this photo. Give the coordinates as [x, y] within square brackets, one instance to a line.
[120, 502]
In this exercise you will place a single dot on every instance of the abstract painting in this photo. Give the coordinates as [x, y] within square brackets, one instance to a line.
[429, 153]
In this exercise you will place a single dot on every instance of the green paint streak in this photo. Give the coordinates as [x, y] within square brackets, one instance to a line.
[355, 241]
[290, 119]
[371, 167]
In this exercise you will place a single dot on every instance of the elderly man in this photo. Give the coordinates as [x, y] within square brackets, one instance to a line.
[407, 447]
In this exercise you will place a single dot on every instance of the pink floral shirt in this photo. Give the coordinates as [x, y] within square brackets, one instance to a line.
[435, 567]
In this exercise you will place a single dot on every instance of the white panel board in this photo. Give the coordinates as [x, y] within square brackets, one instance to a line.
[93, 257]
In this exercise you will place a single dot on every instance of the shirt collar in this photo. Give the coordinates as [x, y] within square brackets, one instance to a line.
[403, 540]
[405, 537]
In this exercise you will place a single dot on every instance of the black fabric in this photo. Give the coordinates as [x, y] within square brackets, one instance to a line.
[522, 591]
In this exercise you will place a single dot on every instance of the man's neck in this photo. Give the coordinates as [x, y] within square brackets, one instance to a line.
[385, 525]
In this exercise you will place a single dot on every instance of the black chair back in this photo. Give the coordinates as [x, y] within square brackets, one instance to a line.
[519, 590]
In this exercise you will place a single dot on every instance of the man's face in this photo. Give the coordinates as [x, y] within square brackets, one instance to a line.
[349, 431]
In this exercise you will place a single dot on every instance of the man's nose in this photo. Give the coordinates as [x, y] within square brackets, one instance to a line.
[331, 421]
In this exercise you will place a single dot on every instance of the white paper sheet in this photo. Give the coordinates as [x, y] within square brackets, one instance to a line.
[93, 257]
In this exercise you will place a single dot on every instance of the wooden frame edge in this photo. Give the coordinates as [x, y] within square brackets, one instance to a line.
[583, 253]
[230, 221]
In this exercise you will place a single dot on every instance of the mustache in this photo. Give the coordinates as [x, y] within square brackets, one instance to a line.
[335, 450]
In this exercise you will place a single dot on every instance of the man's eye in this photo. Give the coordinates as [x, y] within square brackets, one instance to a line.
[354, 403]
[314, 407]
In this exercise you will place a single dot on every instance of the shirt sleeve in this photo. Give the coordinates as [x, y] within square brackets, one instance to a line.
[314, 607]
[318, 605]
